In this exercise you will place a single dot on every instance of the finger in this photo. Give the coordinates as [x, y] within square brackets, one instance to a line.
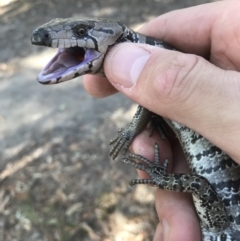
[202, 30]
[183, 33]
[98, 86]
[182, 87]
[178, 219]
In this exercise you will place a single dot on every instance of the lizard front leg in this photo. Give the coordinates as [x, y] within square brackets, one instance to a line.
[126, 136]
[142, 118]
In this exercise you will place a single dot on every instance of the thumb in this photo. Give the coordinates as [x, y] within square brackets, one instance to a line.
[182, 87]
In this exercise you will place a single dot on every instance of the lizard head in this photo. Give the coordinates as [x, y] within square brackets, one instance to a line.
[82, 45]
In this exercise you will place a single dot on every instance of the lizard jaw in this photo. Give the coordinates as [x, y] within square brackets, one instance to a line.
[67, 64]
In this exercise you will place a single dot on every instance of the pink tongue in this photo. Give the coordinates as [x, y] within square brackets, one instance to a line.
[63, 62]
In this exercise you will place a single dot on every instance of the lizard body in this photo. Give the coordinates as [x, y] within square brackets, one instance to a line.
[215, 179]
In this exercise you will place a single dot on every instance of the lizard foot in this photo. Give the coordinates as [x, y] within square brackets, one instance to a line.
[126, 136]
[152, 168]
[122, 141]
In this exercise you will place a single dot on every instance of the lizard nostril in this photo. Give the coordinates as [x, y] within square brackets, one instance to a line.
[41, 36]
[35, 38]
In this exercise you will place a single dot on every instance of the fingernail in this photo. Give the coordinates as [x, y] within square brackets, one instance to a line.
[125, 62]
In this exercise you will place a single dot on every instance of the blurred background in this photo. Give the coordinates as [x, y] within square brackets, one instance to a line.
[57, 182]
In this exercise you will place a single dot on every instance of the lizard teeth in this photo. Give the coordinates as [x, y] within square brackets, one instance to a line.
[61, 43]
[55, 43]
[73, 42]
[67, 43]
[64, 43]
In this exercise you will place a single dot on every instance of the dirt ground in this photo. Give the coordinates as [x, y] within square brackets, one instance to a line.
[57, 182]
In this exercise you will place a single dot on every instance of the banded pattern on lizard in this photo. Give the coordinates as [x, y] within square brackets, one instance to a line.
[215, 179]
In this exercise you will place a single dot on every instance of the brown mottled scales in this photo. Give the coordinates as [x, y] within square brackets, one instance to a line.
[215, 179]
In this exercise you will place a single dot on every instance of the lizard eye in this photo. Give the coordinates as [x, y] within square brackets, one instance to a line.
[81, 32]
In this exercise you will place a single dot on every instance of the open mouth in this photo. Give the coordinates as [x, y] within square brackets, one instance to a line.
[67, 64]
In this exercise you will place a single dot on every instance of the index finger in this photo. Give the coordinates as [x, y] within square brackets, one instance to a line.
[98, 86]
[188, 30]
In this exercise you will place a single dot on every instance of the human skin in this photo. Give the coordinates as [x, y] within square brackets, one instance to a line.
[200, 90]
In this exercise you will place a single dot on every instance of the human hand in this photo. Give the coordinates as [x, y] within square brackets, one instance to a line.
[185, 88]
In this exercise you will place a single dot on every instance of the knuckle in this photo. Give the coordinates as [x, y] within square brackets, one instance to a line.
[176, 81]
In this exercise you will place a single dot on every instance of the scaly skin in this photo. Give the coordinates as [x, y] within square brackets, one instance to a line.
[215, 179]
